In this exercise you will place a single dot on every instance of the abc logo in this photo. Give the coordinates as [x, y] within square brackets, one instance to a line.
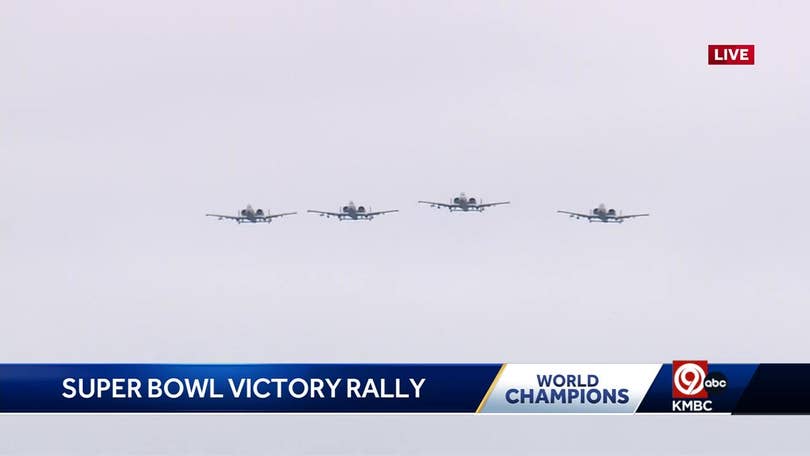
[692, 380]
[715, 383]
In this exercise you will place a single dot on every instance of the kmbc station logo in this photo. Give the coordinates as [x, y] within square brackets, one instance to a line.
[693, 386]
[731, 54]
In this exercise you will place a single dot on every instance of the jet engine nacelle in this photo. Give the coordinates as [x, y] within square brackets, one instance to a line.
[472, 201]
[361, 209]
[259, 212]
[596, 210]
[456, 200]
[244, 212]
[612, 212]
[345, 209]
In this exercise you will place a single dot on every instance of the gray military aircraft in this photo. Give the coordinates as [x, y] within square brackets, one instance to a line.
[603, 214]
[352, 212]
[250, 215]
[463, 203]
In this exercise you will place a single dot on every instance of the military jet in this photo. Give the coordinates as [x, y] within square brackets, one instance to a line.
[603, 214]
[250, 215]
[463, 203]
[352, 212]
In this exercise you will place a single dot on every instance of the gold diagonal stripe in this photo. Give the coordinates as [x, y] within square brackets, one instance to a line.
[491, 389]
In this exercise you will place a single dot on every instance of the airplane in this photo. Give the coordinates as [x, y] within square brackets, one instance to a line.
[352, 212]
[250, 215]
[463, 203]
[603, 214]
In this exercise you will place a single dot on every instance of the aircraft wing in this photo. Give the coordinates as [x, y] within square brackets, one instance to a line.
[433, 203]
[372, 214]
[272, 216]
[622, 217]
[492, 204]
[331, 214]
[228, 217]
[575, 214]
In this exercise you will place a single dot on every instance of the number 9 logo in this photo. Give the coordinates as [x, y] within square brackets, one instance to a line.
[688, 379]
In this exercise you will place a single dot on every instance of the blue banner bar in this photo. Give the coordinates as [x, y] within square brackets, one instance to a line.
[686, 386]
[269, 388]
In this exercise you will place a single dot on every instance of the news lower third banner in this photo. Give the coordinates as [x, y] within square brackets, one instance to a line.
[692, 386]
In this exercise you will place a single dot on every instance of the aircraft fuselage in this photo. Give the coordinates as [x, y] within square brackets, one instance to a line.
[353, 212]
[463, 203]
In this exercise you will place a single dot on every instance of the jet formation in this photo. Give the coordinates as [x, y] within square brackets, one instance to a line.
[459, 203]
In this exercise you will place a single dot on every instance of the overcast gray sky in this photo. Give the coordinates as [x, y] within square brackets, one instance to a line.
[121, 124]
